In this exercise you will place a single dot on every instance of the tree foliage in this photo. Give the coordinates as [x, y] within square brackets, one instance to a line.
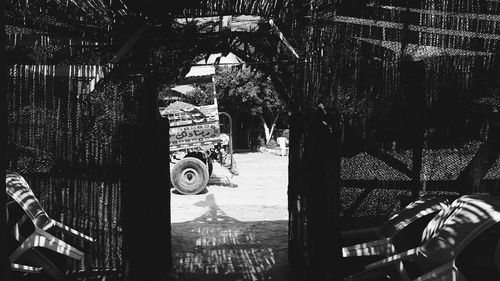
[244, 90]
[250, 91]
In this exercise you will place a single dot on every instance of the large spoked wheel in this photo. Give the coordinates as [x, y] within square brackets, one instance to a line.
[189, 176]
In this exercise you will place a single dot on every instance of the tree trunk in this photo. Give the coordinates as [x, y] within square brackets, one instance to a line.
[268, 132]
[271, 132]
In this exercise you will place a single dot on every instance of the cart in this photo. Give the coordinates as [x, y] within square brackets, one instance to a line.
[195, 142]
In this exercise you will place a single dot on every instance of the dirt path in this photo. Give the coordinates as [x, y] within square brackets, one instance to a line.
[260, 192]
[237, 233]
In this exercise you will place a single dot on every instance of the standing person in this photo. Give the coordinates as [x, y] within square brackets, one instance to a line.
[282, 142]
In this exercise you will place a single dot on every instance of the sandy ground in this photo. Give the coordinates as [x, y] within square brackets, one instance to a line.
[234, 233]
[259, 192]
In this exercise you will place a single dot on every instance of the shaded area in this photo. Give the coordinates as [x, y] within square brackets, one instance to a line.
[215, 246]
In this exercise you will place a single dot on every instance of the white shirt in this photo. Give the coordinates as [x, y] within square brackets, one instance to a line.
[282, 141]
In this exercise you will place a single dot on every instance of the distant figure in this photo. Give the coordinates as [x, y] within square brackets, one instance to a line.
[282, 142]
[224, 138]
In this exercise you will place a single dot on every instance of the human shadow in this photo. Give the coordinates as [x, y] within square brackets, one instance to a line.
[215, 246]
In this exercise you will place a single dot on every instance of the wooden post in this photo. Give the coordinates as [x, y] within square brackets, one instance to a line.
[146, 182]
[4, 259]
[146, 191]
[295, 206]
[412, 86]
[470, 179]
[322, 151]
[314, 180]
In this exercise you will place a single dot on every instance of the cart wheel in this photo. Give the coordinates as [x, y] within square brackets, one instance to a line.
[189, 176]
[210, 164]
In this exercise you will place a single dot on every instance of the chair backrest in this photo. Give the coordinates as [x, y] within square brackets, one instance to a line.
[412, 212]
[467, 217]
[435, 224]
[19, 190]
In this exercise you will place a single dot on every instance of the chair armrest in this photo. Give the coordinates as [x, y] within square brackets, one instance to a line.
[25, 268]
[73, 232]
[412, 254]
[373, 274]
[41, 238]
[382, 247]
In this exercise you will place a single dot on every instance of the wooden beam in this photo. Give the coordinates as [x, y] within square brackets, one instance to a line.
[453, 32]
[444, 185]
[417, 28]
[241, 23]
[382, 155]
[390, 160]
[477, 16]
[283, 39]
[348, 212]
[360, 21]
[129, 44]
[431, 51]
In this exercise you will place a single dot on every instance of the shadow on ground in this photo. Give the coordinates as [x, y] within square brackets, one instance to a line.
[215, 246]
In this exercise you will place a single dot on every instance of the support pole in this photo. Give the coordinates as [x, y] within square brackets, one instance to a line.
[412, 86]
[146, 181]
[230, 136]
[146, 191]
[314, 188]
[4, 260]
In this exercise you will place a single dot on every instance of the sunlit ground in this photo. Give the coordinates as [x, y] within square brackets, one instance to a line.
[237, 233]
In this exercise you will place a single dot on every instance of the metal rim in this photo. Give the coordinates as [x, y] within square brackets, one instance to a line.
[190, 177]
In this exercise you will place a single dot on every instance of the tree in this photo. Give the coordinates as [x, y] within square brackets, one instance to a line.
[246, 90]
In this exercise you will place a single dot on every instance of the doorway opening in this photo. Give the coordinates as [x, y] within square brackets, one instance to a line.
[237, 227]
